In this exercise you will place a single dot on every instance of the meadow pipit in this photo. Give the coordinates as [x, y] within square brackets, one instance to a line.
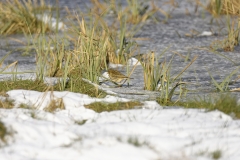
[117, 77]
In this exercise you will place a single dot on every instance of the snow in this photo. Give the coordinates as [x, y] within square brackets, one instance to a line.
[51, 22]
[206, 33]
[131, 62]
[149, 133]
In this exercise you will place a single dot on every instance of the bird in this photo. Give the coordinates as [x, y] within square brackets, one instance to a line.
[117, 77]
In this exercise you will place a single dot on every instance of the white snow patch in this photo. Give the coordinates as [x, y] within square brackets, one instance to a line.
[205, 33]
[52, 22]
[137, 134]
[133, 61]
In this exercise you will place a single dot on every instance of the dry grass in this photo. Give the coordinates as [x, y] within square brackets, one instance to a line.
[157, 77]
[21, 17]
[233, 36]
[218, 7]
[52, 58]
[90, 53]
[229, 8]
[54, 105]
[136, 11]
[154, 73]
[96, 45]
[6, 104]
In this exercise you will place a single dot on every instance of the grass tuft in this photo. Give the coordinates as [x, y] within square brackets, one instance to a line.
[7, 103]
[23, 84]
[216, 154]
[22, 17]
[157, 77]
[25, 106]
[54, 105]
[75, 84]
[103, 106]
[52, 58]
[229, 8]
[136, 11]
[225, 103]
[219, 7]
[224, 84]
[3, 132]
[82, 122]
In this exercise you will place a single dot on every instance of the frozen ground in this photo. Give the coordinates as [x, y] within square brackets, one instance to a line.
[150, 133]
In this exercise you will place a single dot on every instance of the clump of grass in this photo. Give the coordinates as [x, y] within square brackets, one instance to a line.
[23, 84]
[21, 17]
[224, 85]
[7, 103]
[3, 132]
[152, 71]
[4, 94]
[157, 77]
[53, 62]
[167, 92]
[82, 122]
[218, 7]
[96, 46]
[103, 106]
[25, 106]
[233, 35]
[225, 103]
[91, 51]
[53, 59]
[80, 86]
[77, 84]
[34, 115]
[136, 11]
[215, 7]
[135, 142]
[55, 104]
[227, 7]
[103, 7]
[216, 154]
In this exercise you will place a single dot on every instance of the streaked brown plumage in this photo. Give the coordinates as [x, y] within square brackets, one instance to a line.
[117, 76]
